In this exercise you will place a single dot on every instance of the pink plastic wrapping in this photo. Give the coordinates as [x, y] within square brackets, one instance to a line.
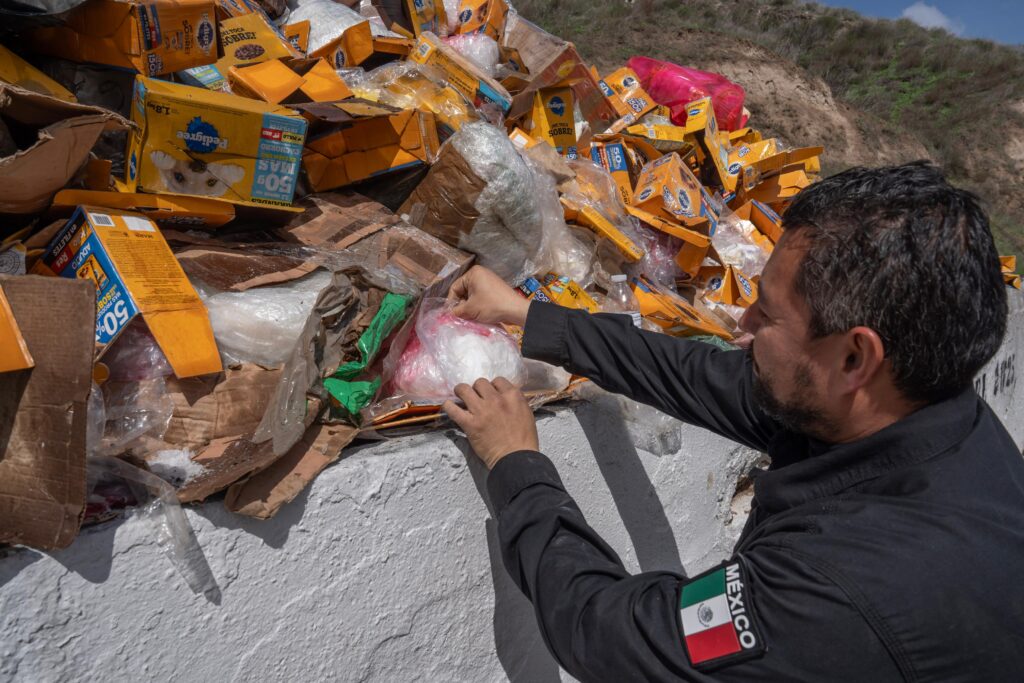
[675, 86]
[445, 350]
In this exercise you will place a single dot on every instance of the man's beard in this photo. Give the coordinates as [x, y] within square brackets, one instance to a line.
[797, 415]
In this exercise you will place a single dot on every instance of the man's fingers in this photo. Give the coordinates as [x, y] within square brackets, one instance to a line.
[460, 289]
[484, 388]
[468, 396]
[460, 415]
[503, 385]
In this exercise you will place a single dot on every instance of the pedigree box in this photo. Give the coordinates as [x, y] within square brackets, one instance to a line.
[209, 144]
[135, 274]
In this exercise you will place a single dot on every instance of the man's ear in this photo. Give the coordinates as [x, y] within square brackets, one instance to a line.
[864, 357]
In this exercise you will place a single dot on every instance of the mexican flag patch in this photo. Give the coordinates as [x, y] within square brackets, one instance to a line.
[718, 618]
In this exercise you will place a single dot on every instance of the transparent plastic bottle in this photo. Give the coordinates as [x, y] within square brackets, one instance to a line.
[621, 299]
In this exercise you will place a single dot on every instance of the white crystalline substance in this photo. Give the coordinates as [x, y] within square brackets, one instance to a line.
[262, 324]
[174, 466]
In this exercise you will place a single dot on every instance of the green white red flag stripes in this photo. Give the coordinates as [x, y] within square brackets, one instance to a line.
[717, 618]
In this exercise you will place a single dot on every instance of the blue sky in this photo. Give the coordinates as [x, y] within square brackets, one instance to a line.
[998, 20]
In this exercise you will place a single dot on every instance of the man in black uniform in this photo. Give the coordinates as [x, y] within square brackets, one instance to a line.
[886, 540]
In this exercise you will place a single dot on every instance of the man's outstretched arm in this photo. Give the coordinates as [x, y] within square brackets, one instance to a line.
[693, 381]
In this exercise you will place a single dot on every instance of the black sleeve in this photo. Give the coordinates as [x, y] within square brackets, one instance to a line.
[692, 381]
[603, 624]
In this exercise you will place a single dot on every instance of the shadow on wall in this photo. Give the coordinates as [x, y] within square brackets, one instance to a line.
[635, 497]
[517, 639]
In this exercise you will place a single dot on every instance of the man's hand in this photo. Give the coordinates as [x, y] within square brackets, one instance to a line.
[497, 419]
[484, 297]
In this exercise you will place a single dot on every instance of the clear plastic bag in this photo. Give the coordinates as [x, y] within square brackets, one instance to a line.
[132, 410]
[135, 356]
[676, 86]
[508, 236]
[733, 242]
[408, 85]
[478, 48]
[445, 350]
[262, 324]
[159, 505]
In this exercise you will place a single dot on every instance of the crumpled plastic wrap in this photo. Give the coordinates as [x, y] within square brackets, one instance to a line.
[159, 506]
[508, 237]
[478, 48]
[262, 324]
[445, 350]
[135, 356]
[328, 20]
[132, 410]
[732, 240]
[408, 85]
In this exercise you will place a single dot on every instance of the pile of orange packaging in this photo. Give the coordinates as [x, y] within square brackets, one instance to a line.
[220, 219]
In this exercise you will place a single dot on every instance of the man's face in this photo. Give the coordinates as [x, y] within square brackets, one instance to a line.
[790, 369]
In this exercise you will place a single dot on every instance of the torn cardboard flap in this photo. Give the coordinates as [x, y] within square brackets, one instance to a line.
[219, 406]
[164, 210]
[43, 413]
[266, 491]
[238, 267]
[16, 71]
[67, 132]
[336, 220]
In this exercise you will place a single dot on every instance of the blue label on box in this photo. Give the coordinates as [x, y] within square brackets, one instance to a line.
[278, 158]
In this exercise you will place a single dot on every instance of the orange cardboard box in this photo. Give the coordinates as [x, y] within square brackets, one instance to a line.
[727, 285]
[135, 274]
[16, 71]
[668, 188]
[702, 124]
[483, 16]
[153, 38]
[298, 35]
[364, 140]
[551, 120]
[353, 47]
[14, 354]
[763, 217]
[673, 314]
[461, 73]
[695, 244]
[630, 101]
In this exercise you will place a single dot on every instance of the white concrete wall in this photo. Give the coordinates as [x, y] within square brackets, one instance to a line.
[386, 569]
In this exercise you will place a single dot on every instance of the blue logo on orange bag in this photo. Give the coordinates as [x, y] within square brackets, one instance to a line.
[465, 15]
[133, 166]
[734, 168]
[556, 105]
[644, 195]
[200, 136]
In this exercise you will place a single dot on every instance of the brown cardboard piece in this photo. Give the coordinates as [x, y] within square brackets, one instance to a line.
[66, 132]
[449, 194]
[336, 220]
[215, 407]
[266, 491]
[43, 412]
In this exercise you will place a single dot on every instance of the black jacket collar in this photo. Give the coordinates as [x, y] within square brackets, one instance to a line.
[803, 471]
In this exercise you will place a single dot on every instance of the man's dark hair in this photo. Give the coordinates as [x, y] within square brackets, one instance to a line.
[900, 250]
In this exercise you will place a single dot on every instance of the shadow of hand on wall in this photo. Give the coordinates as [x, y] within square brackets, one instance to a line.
[635, 497]
[517, 640]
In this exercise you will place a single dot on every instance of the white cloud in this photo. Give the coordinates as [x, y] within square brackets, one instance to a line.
[930, 16]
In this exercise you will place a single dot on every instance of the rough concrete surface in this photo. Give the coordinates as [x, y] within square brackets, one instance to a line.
[386, 569]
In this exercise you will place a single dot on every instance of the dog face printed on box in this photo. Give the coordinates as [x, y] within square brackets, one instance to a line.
[196, 177]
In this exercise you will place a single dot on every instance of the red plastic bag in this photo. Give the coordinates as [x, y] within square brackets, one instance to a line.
[676, 86]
